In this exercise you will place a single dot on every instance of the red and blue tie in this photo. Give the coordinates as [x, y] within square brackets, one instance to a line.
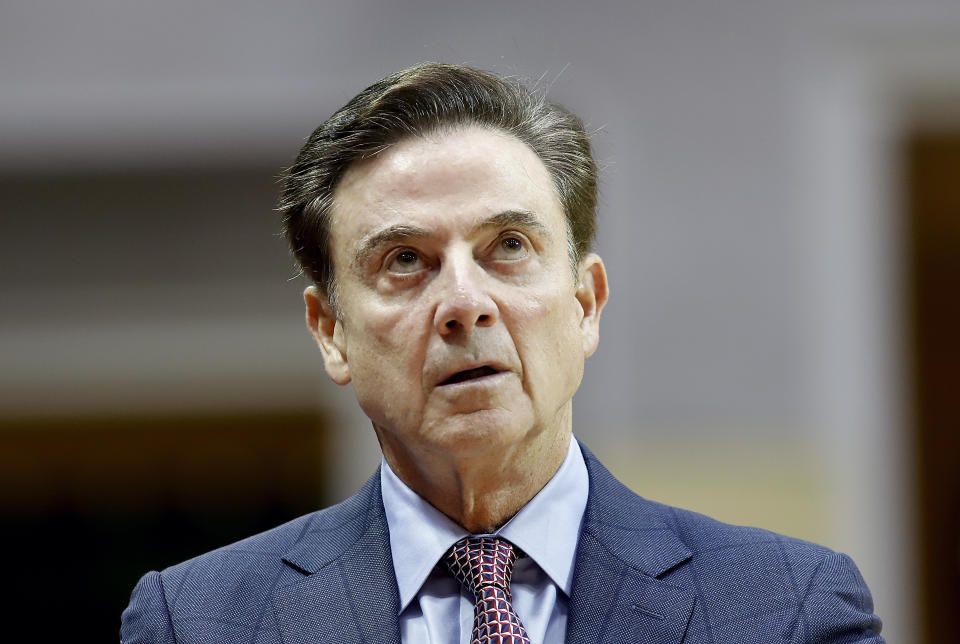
[485, 565]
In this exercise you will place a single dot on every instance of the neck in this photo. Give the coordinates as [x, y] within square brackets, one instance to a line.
[481, 491]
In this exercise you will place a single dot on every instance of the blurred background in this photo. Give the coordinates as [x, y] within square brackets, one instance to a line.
[779, 215]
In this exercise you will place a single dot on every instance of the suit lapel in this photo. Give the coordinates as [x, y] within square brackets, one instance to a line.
[341, 586]
[625, 546]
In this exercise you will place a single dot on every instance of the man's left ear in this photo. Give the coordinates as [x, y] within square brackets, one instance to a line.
[592, 294]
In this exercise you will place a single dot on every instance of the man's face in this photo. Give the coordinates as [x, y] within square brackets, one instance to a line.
[460, 323]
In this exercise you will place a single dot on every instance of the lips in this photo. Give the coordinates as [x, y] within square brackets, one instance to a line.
[470, 374]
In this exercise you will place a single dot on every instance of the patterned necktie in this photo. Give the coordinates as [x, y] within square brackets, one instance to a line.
[485, 565]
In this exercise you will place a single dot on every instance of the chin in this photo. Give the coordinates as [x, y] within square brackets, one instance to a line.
[479, 432]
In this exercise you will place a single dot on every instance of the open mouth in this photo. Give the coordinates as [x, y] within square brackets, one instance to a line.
[470, 374]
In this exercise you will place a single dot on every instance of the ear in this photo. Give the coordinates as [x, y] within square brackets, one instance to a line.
[327, 330]
[592, 294]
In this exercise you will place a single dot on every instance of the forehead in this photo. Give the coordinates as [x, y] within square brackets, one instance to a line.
[444, 182]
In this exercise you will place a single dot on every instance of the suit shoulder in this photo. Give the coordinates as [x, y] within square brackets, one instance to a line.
[821, 590]
[252, 563]
[749, 580]
[702, 532]
[712, 545]
[716, 543]
[225, 595]
[269, 544]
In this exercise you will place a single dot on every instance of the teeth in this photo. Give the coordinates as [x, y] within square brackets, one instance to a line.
[470, 374]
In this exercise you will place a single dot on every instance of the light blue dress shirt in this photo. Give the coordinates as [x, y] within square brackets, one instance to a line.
[435, 609]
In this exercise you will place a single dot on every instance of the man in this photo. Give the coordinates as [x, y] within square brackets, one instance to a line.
[445, 217]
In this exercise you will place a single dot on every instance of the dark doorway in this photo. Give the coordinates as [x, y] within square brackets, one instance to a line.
[91, 504]
[933, 207]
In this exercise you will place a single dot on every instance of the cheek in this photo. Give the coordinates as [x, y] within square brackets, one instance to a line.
[554, 312]
[548, 339]
[385, 352]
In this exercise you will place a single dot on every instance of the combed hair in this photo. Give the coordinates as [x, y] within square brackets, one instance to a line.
[420, 101]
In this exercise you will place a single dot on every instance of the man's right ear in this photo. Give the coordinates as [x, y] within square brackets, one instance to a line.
[327, 330]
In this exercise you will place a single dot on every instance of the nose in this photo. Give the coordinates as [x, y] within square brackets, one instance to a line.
[464, 301]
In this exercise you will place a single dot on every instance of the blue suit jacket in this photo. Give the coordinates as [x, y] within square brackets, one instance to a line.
[645, 572]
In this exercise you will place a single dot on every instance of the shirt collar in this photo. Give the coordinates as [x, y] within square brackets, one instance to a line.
[547, 528]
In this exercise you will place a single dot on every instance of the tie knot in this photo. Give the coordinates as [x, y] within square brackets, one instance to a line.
[481, 562]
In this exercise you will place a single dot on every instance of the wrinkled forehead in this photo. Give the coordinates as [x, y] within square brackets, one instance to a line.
[449, 178]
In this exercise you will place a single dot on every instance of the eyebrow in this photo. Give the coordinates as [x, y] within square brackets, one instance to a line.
[369, 245]
[400, 232]
[517, 218]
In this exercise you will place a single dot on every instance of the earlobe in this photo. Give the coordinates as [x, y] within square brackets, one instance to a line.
[327, 331]
[592, 294]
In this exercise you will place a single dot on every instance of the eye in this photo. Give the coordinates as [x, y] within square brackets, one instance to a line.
[510, 246]
[406, 260]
